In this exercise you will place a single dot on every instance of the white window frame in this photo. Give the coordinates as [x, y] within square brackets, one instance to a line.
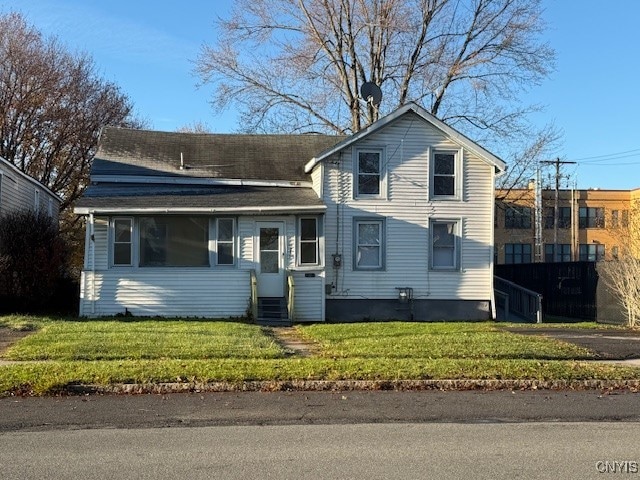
[458, 155]
[226, 242]
[356, 243]
[457, 228]
[36, 201]
[381, 172]
[112, 242]
[316, 241]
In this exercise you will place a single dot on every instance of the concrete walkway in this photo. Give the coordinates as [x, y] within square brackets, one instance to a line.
[294, 344]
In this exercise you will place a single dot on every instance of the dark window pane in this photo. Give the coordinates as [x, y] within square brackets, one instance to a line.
[443, 186]
[444, 164]
[308, 253]
[174, 242]
[368, 184]
[368, 257]
[122, 230]
[225, 230]
[225, 253]
[308, 229]
[122, 254]
[369, 234]
[269, 261]
[368, 162]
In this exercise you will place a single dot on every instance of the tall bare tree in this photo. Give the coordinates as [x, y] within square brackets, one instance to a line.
[298, 65]
[52, 107]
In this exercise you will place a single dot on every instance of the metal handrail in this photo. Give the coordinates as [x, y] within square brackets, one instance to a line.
[291, 295]
[519, 300]
[254, 294]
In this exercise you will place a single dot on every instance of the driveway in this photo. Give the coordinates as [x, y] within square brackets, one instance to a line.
[606, 344]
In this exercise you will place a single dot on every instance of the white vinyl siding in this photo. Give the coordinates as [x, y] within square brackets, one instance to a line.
[408, 210]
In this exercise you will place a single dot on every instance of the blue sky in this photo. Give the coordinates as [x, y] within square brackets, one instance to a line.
[147, 47]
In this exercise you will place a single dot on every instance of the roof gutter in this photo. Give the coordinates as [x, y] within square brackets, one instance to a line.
[201, 210]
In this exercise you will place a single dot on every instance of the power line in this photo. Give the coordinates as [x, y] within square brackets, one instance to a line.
[610, 156]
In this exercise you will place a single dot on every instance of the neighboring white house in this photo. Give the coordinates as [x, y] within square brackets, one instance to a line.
[18, 191]
[395, 221]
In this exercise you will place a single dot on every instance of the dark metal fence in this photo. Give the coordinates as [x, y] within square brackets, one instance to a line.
[568, 289]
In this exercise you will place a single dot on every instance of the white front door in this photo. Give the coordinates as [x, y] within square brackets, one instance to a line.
[270, 258]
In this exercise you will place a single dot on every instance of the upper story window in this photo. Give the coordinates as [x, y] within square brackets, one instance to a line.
[591, 252]
[564, 217]
[167, 241]
[369, 244]
[444, 174]
[590, 217]
[369, 173]
[308, 241]
[517, 217]
[225, 241]
[557, 253]
[122, 241]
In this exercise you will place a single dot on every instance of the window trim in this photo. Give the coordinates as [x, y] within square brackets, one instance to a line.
[458, 156]
[232, 242]
[356, 233]
[457, 244]
[112, 242]
[316, 241]
[382, 184]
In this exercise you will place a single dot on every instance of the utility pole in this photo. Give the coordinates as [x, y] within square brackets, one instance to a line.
[557, 162]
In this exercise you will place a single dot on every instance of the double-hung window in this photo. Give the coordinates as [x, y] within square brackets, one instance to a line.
[122, 241]
[444, 244]
[225, 241]
[369, 172]
[308, 241]
[369, 244]
[444, 172]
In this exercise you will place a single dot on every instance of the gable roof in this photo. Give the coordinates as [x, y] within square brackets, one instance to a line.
[29, 178]
[124, 152]
[452, 133]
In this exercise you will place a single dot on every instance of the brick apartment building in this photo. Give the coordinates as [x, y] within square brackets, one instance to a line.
[592, 224]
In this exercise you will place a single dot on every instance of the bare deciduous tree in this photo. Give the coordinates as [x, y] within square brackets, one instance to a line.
[622, 274]
[298, 65]
[52, 108]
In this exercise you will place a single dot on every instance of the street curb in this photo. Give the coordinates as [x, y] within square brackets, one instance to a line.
[353, 385]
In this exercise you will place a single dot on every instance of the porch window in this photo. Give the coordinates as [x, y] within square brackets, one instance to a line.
[369, 173]
[444, 168]
[308, 241]
[122, 241]
[174, 241]
[444, 244]
[225, 240]
[369, 244]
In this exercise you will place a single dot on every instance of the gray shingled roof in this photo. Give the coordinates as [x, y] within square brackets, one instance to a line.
[254, 157]
[145, 196]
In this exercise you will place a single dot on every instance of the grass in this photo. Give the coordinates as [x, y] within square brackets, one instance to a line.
[436, 341]
[65, 352]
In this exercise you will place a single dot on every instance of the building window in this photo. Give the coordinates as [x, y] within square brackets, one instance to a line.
[517, 253]
[517, 217]
[625, 218]
[225, 241]
[369, 173]
[564, 217]
[369, 244]
[308, 241]
[443, 174]
[615, 218]
[444, 244]
[591, 217]
[122, 241]
[591, 252]
[36, 201]
[167, 241]
[563, 252]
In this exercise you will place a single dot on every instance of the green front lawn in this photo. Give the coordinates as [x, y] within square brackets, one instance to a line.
[63, 352]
